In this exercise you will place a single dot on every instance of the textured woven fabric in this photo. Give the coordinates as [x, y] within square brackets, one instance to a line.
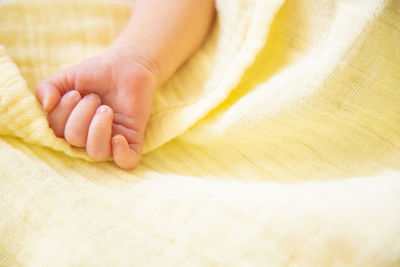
[276, 144]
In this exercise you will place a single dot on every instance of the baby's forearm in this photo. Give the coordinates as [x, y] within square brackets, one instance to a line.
[163, 34]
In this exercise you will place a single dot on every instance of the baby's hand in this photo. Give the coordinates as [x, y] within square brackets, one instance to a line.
[102, 104]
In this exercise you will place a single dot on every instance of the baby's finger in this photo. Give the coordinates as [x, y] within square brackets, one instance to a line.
[48, 95]
[77, 126]
[59, 116]
[98, 144]
[125, 156]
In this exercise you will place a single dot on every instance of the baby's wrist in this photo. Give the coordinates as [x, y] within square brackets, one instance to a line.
[121, 53]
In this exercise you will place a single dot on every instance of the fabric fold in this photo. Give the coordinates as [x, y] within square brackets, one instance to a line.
[276, 144]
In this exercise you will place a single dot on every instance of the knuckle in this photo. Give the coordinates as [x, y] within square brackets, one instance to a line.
[74, 137]
[57, 131]
[97, 153]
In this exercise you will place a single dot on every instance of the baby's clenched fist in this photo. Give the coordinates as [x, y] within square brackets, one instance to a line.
[102, 104]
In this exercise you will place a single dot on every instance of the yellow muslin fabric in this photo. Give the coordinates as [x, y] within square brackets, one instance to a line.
[276, 144]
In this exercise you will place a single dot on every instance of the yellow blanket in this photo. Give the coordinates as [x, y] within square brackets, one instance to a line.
[276, 144]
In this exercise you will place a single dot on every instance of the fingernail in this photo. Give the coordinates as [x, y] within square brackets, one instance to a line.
[93, 96]
[74, 94]
[103, 109]
[116, 140]
[44, 103]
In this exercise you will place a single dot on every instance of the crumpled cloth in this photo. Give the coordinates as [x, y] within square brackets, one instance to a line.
[276, 144]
